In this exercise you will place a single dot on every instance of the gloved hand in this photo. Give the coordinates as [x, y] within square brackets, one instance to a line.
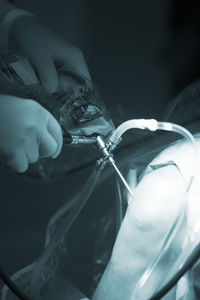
[27, 132]
[45, 51]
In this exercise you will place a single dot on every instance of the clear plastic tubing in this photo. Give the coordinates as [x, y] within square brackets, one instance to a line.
[153, 125]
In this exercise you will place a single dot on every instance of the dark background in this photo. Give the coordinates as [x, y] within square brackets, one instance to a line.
[140, 53]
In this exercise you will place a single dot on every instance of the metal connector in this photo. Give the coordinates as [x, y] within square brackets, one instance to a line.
[104, 149]
[109, 157]
[76, 139]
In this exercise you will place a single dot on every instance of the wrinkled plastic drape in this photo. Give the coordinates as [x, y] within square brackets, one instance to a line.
[84, 250]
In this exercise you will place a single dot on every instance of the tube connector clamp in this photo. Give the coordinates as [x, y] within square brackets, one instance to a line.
[104, 149]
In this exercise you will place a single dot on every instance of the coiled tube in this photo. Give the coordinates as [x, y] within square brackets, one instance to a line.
[153, 125]
[150, 124]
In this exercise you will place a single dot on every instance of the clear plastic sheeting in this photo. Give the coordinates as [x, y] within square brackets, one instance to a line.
[184, 109]
[183, 234]
[173, 221]
[165, 216]
[81, 235]
[79, 241]
[77, 105]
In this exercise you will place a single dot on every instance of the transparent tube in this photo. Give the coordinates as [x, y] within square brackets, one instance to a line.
[145, 287]
[153, 125]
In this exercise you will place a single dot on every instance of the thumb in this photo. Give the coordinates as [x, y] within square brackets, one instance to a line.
[54, 129]
[48, 145]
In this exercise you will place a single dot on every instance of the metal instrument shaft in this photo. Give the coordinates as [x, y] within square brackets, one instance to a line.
[103, 148]
[122, 177]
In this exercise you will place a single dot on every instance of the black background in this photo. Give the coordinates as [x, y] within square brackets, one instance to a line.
[140, 53]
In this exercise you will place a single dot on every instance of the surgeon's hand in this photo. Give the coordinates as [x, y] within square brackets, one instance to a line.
[45, 51]
[27, 132]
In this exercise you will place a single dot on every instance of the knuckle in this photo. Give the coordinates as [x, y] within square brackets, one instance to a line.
[31, 128]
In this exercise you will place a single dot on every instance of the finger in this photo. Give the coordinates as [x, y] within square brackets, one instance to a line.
[73, 59]
[47, 145]
[33, 154]
[47, 73]
[18, 162]
[55, 130]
